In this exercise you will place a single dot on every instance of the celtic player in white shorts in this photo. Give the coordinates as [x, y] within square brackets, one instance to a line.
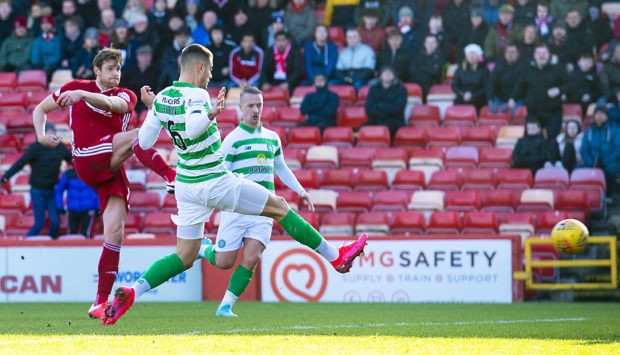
[204, 183]
[256, 153]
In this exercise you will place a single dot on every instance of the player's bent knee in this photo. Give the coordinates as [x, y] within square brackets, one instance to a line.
[225, 261]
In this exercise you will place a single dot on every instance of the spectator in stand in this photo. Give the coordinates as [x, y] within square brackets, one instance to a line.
[408, 29]
[143, 34]
[261, 11]
[599, 22]
[71, 41]
[504, 32]
[542, 86]
[383, 9]
[422, 9]
[134, 10]
[300, 20]
[559, 8]
[201, 33]
[610, 78]
[44, 169]
[192, 14]
[568, 146]
[221, 48]
[169, 65]
[239, 26]
[106, 27]
[47, 48]
[386, 102]
[491, 11]
[369, 32]
[356, 62]
[82, 64]
[15, 50]
[475, 33]
[145, 72]
[340, 13]
[321, 55]
[561, 52]
[69, 11]
[268, 38]
[456, 17]
[426, 68]
[175, 24]
[578, 35]
[283, 65]
[224, 9]
[435, 28]
[532, 150]
[321, 106]
[600, 147]
[586, 87]
[503, 79]
[37, 12]
[246, 62]
[7, 20]
[159, 16]
[527, 42]
[470, 78]
[525, 12]
[121, 40]
[87, 9]
[395, 56]
[81, 199]
[543, 20]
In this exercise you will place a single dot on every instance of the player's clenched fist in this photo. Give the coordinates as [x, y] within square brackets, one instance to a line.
[219, 104]
[49, 140]
[147, 96]
[69, 98]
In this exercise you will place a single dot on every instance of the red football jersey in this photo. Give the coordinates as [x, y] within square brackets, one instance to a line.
[88, 123]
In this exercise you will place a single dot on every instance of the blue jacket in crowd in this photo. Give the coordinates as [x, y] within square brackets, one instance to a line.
[604, 144]
[46, 52]
[80, 197]
[320, 60]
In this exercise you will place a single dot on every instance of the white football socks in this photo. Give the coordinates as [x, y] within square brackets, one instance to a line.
[327, 250]
[229, 298]
[140, 287]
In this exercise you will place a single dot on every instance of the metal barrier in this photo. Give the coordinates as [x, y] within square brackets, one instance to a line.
[612, 263]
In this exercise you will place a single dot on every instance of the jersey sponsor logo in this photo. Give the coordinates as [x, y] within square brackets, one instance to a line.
[170, 100]
[194, 102]
[30, 284]
[260, 170]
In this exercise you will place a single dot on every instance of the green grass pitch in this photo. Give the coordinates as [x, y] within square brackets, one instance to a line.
[535, 328]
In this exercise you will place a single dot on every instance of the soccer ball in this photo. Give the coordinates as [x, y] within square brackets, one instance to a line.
[570, 236]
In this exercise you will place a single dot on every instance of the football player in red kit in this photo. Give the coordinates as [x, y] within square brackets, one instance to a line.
[99, 112]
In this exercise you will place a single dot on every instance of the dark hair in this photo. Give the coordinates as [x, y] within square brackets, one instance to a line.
[107, 54]
[282, 33]
[217, 27]
[543, 3]
[196, 53]
[248, 34]
[73, 19]
[321, 25]
[542, 45]
[249, 90]
[395, 33]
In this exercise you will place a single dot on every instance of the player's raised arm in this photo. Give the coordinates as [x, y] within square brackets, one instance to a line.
[39, 117]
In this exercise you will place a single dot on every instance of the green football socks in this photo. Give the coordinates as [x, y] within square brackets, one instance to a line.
[161, 271]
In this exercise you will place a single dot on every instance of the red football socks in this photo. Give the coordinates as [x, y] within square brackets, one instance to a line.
[108, 268]
[154, 161]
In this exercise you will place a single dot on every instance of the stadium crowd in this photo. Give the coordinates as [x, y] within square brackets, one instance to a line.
[495, 53]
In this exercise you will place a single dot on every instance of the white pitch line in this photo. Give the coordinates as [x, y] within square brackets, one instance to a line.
[383, 325]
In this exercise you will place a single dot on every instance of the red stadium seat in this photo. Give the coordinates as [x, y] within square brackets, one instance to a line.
[288, 117]
[12, 204]
[346, 94]
[321, 156]
[514, 179]
[372, 180]
[424, 115]
[374, 136]
[411, 137]
[299, 93]
[547, 220]
[144, 201]
[290, 196]
[480, 223]
[311, 217]
[443, 136]
[495, 158]
[373, 223]
[304, 137]
[391, 200]
[356, 157]
[32, 80]
[159, 223]
[519, 117]
[8, 81]
[440, 92]
[588, 179]
[35, 97]
[228, 118]
[479, 179]
[572, 111]
[9, 143]
[444, 222]
[460, 115]
[523, 223]
[390, 159]
[170, 204]
[19, 225]
[308, 178]
[338, 223]
[445, 180]
[499, 201]
[338, 136]
[572, 200]
[354, 201]
[20, 124]
[427, 156]
[481, 136]
[461, 157]
[337, 180]
[295, 158]
[409, 180]
[268, 116]
[551, 178]
[362, 94]
[353, 117]
[407, 223]
[275, 97]
[414, 93]
[61, 116]
[137, 179]
[10, 100]
[7, 115]
[281, 132]
[489, 118]
[133, 223]
[536, 200]
[336, 35]
[462, 201]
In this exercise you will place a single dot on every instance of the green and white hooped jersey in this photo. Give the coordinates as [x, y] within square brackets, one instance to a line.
[200, 159]
[251, 152]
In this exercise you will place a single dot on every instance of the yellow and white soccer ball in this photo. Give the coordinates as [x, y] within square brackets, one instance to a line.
[570, 236]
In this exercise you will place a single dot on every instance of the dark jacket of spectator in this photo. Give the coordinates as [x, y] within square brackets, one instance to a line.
[44, 164]
[300, 21]
[84, 58]
[601, 32]
[382, 7]
[70, 46]
[469, 35]
[80, 197]
[581, 39]
[610, 79]
[422, 9]
[293, 67]
[456, 18]
[583, 83]
[400, 60]
[426, 69]
[6, 26]
[261, 17]
[559, 8]
[534, 84]
[320, 60]
[497, 39]
[320, 107]
[221, 55]
[224, 9]
[15, 52]
[503, 79]
[246, 66]
[134, 78]
[532, 151]
[473, 80]
[386, 106]
[524, 14]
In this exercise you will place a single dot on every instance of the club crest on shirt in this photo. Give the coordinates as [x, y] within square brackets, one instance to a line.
[261, 159]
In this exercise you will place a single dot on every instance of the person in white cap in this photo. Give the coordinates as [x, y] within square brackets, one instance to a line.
[470, 78]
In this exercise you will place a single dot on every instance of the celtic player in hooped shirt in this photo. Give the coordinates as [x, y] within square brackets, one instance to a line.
[204, 183]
